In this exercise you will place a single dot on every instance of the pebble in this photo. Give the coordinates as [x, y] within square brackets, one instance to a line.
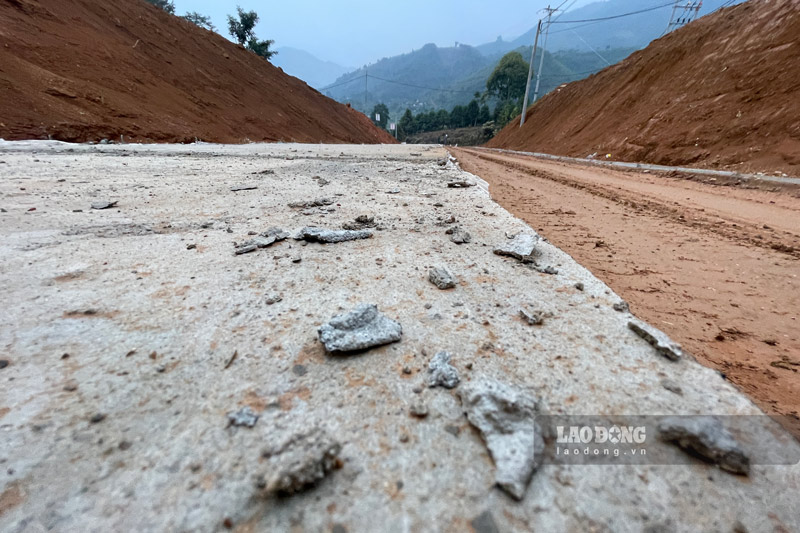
[522, 247]
[442, 373]
[442, 278]
[243, 417]
[658, 339]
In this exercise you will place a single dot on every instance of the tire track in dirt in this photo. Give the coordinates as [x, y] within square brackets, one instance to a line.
[731, 298]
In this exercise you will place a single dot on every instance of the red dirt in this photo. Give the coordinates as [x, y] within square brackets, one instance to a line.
[86, 70]
[715, 267]
[722, 92]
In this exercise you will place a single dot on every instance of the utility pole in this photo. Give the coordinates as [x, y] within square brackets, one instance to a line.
[530, 75]
[550, 12]
[366, 88]
[684, 14]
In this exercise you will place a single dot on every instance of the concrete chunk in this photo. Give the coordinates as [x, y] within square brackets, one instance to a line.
[442, 373]
[706, 437]
[318, 202]
[658, 339]
[505, 417]
[442, 278]
[360, 329]
[522, 247]
[332, 236]
[301, 463]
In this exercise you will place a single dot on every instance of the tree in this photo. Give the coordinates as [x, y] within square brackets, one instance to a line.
[382, 111]
[509, 78]
[406, 125]
[166, 5]
[200, 20]
[243, 30]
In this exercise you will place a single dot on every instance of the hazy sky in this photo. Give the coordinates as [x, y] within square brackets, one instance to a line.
[355, 32]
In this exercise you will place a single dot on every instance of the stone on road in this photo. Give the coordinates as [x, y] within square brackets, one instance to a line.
[362, 328]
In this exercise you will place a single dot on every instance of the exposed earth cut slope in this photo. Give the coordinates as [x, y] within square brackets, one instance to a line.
[721, 92]
[87, 70]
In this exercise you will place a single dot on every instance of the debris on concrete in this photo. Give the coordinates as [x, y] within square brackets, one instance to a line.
[305, 204]
[505, 417]
[262, 240]
[442, 373]
[442, 278]
[191, 246]
[361, 222]
[3, 363]
[360, 329]
[329, 236]
[264, 172]
[460, 184]
[272, 299]
[419, 409]
[534, 318]
[706, 436]
[549, 270]
[458, 235]
[300, 463]
[321, 181]
[97, 418]
[104, 205]
[672, 386]
[484, 523]
[522, 247]
[243, 417]
[237, 188]
[580, 286]
[658, 339]
[622, 307]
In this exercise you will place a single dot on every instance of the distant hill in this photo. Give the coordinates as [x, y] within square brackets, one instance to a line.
[309, 68]
[637, 31]
[441, 78]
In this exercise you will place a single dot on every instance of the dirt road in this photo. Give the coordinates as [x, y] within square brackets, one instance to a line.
[715, 267]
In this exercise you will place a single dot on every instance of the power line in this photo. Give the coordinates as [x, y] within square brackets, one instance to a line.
[366, 75]
[670, 4]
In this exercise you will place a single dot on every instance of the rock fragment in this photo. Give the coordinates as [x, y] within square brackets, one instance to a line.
[534, 318]
[360, 329]
[361, 222]
[305, 204]
[458, 235]
[706, 437]
[505, 417]
[300, 463]
[262, 240]
[658, 339]
[418, 409]
[332, 236]
[442, 278]
[273, 299]
[622, 307]
[243, 417]
[522, 247]
[104, 205]
[237, 188]
[460, 184]
[442, 373]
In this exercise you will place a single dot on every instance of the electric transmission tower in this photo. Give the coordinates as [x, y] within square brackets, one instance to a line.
[684, 12]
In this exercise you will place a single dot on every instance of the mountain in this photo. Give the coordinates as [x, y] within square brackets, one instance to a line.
[635, 31]
[721, 92]
[90, 69]
[441, 78]
[312, 70]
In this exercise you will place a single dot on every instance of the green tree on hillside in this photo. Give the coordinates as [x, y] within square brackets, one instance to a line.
[383, 111]
[243, 30]
[200, 20]
[508, 80]
[166, 5]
